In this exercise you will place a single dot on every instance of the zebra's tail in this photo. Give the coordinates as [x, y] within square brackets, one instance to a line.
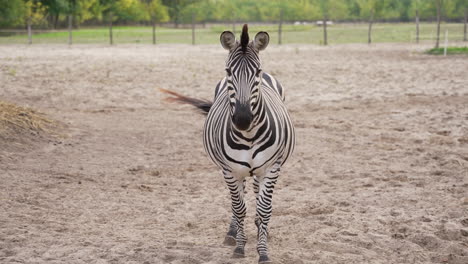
[202, 105]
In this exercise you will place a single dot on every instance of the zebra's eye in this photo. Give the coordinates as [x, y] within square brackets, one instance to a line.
[258, 72]
[228, 71]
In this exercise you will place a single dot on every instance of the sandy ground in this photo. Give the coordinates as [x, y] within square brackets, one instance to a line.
[380, 172]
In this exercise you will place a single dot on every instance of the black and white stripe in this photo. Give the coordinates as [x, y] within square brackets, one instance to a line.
[258, 150]
[247, 133]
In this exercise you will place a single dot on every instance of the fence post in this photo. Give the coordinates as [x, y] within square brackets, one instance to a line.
[438, 6]
[464, 27]
[280, 28]
[153, 21]
[325, 34]
[369, 33]
[193, 28]
[70, 21]
[446, 42]
[233, 24]
[29, 31]
[417, 26]
[111, 39]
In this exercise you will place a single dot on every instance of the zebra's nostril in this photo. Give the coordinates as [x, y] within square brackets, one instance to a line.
[242, 120]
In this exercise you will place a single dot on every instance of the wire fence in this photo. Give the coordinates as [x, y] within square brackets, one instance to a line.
[209, 34]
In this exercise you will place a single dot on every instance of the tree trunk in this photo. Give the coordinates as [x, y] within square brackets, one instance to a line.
[193, 28]
[280, 27]
[29, 31]
[438, 23]
[369, 33]
[111, 39]
[154, 31]
[417, 26]
[176, 19]
[325, 35]
[464, 28]
[70, 21]
[56, 19]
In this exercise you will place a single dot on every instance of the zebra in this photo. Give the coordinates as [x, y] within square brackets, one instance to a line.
[247, 132]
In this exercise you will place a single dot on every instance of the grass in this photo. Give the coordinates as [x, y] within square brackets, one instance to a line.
[17, 118]
[337, 34]
[450, 51]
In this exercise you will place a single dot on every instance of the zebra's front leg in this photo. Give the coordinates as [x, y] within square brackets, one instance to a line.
[264, 209]
[255, 186]
[230, 239]
[236, 188]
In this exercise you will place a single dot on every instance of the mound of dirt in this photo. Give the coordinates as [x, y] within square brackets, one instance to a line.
[22, 128]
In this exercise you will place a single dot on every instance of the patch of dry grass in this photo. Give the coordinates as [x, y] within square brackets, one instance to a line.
[17, 121]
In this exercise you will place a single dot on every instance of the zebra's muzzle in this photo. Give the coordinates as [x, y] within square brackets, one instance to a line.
[242, 117]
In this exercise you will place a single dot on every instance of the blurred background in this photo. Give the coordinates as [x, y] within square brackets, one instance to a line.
[200, 21]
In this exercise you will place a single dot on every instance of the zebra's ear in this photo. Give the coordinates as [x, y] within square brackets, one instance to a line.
[261, 41]
[228, 40]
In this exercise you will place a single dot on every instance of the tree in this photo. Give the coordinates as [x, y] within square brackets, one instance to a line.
[54, 8]
[107, 9]
[461, 10]
[175, 8]
[416, 6]
[371, 9]
[438, 4]
[157, 12]
[330, 9]
[34, 13]
[12, 12]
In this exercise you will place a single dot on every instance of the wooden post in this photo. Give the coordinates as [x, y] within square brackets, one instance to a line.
[438, 23]
[70, 21]
[417, 26]
[280, 27]
[325, 35]
[154, 30]
[446, 42]
[369, 34]
[464, 27]
[29, 30]
[111, 38]
[233, 24]
[193, 28]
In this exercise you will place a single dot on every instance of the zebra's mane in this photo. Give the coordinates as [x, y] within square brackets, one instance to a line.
[244, 38]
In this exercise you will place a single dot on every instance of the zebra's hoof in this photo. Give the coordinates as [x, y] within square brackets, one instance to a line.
[238, 253]
[264, 259]
[229, 241]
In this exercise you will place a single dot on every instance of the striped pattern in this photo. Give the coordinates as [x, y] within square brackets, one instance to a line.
[258, 151]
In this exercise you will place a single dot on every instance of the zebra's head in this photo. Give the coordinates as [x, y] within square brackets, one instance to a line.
[244, 74]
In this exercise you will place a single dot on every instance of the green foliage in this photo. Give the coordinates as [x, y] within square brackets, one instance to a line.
[156, 11]
[450, 51]
[34, 11]
[54, 12]
[11, 12]
[331, 9]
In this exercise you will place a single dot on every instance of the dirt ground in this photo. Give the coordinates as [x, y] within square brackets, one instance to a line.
[380, 172]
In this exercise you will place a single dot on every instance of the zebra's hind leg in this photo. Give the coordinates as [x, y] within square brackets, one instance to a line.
[264, 209]
[236, 188]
